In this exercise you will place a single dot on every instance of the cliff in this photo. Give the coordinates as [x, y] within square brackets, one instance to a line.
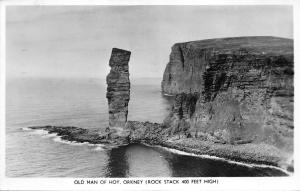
[189, 61]
[233, 91]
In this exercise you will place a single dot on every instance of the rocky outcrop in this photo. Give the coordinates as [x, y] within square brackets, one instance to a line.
[146, 132]
[118, 88]
[233, 91]
[158, 134]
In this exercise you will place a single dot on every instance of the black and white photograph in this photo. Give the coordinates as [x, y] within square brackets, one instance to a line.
[147, 91]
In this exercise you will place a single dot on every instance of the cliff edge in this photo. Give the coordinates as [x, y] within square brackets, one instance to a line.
[233, 91]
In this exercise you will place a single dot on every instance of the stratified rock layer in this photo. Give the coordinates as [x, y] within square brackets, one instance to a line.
[118, 88]
[233, 91]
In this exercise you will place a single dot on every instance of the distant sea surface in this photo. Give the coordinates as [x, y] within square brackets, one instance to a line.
[82, 103]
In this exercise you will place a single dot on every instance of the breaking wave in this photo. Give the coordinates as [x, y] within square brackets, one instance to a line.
[249, 165]
[56, 138]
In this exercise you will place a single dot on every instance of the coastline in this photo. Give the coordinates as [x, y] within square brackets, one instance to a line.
[237, 155]
[211, 157]
[243, 154]
[246, 154]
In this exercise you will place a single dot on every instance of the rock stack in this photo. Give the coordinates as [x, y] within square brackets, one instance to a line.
[118, 88]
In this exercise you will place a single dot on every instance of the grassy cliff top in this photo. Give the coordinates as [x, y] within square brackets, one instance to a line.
[258, 44]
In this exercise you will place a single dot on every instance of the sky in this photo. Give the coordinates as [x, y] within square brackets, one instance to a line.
[76, 41]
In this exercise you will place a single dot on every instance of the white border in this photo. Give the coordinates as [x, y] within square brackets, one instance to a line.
[148, 2]
[270, 183]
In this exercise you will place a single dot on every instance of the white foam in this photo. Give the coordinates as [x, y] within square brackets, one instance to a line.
[36, 131]
[49, 135]
[92, 145]
[26, 129]
[95, 145]
[170, 95]
[43, 133]
[74, 143]
[40, 132]
[99, 148]
[249, 165]
[56, 138]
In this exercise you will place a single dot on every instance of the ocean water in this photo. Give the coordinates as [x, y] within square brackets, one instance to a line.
[82, 103]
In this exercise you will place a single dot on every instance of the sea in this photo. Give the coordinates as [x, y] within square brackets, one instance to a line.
[82, 103]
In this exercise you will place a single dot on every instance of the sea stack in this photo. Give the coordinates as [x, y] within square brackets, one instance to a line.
[118, 88]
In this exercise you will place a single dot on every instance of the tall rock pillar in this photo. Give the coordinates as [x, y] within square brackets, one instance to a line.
[118, 88]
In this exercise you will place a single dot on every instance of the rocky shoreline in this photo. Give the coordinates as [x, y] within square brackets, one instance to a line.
[155, 134]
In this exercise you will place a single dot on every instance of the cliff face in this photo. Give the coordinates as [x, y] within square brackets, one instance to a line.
[118, 88]
[232, 91]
